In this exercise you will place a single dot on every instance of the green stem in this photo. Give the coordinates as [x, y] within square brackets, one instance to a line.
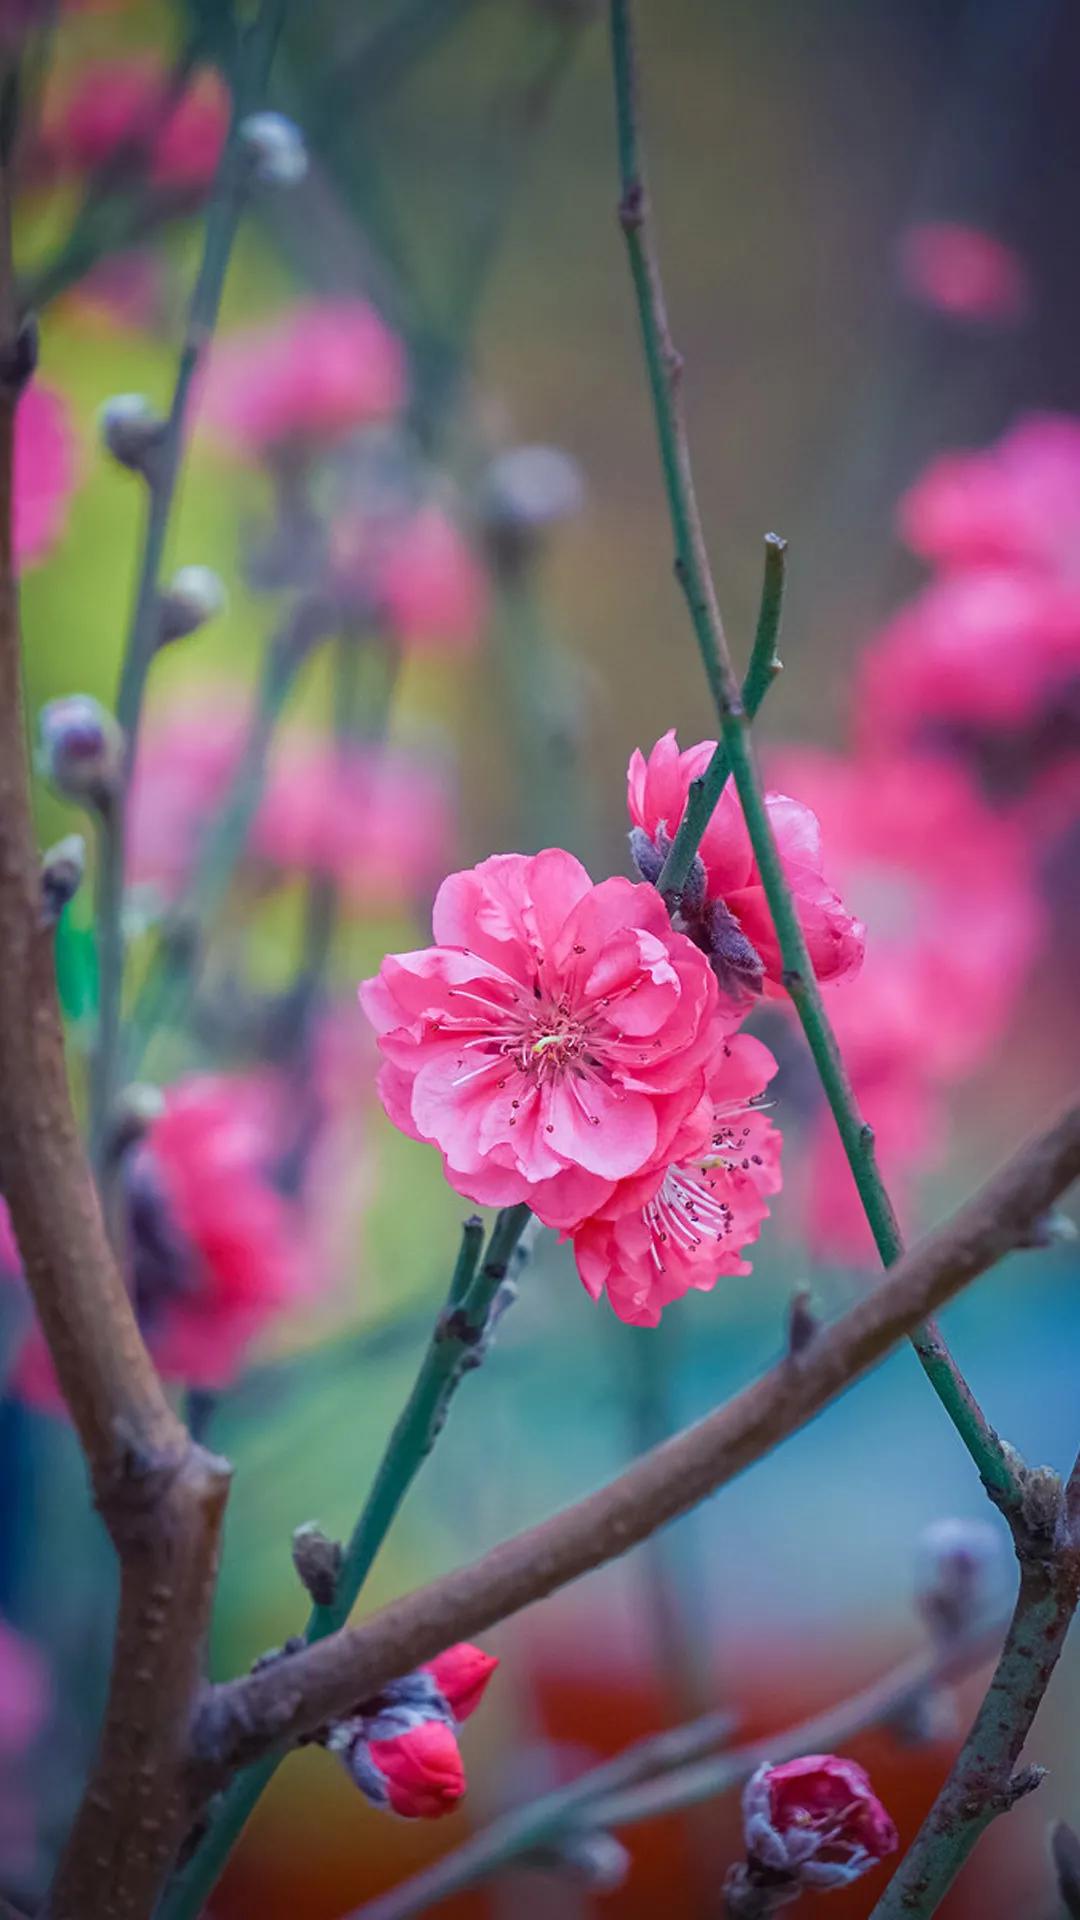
[765, 665]
[453, 1347]
[222, 220]
[169, 975]
[664, 365]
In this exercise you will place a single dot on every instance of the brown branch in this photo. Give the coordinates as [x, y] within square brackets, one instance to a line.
[283, 1702]
[160, 1497]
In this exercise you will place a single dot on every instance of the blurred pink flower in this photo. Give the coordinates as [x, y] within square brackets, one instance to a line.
[214, 1250]
[377, 820]
[316, 373]
[1014, 504]
[963, 272]
[816, 1819]
[430, 588]
[214, 1245]
[44, 471]
[657, 790]
[123, 290]
[553, 1042]
[954, 925]
[25, 1690]
[687, 1224]
[114, 101]
[983, 650]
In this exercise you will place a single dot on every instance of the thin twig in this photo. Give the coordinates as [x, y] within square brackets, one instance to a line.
[665, 367]
[666, 1775]
[160, 1497]
[765, 666]
[223, 218]
[454, 1347]
[244, 1718]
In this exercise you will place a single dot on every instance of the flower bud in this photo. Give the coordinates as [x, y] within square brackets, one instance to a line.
[193, 596]
[958, 1569]
[62, 870]
[596, 1861]
[275, 148]
[529, 490]
[462, 1674]
[816, 1820]
[417, 1774]
[82, 748]
[132, 431]
[317, 1560]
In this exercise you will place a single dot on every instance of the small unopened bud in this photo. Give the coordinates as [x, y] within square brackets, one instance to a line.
[803, 1323]
[528, 491]
[317, 1560]
[275, 149]
[1065, 1855]
[1051, 1229]
[132, 431]
[596, 1861]
[62, 870]
[958, 1566]
[136, 1109]
[193, 596]
[81, 748]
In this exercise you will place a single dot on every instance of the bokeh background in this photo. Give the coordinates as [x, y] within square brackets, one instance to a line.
[462, 180]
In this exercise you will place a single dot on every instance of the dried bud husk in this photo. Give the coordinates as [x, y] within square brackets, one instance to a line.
[596, 1861]
[737, 964]
[81, 749]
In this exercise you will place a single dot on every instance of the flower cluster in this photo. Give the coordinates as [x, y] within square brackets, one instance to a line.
[401, 1749]
[564, 1045]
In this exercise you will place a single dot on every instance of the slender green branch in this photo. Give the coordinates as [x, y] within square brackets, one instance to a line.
[454, 1348]
[222, 220]
[765, 666]
[664, 364]
[669, 1773]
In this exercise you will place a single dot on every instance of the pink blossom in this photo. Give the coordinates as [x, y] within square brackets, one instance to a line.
[963, 272]
[420, 1772]
[657, 791]
[214, 1250]
[115, 101]
[955, 926]
[430, 587]
[1013, 504]
[462, 1675]
[553, 1041]
[817, 1819]
[981, 651]
[686, 1227]
[376, 820]
[317, 373]
[44, 471]
[25, 1691]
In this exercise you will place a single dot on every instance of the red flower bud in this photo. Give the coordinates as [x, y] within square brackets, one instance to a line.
[421, 1771]
[461, 1675]
[817, 1819]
